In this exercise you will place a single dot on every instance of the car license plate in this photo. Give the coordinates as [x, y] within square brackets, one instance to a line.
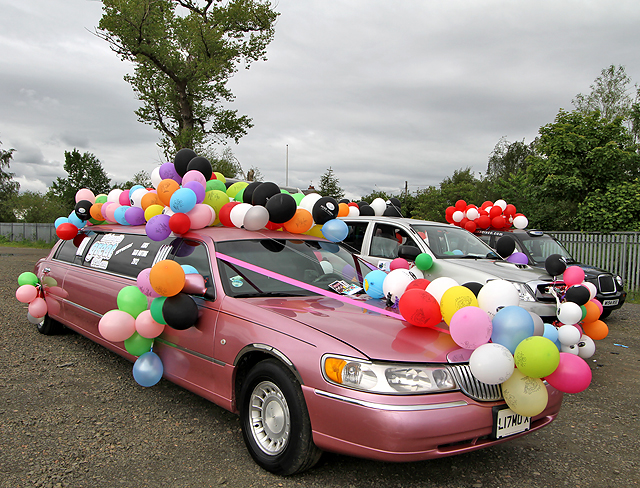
[610, 303]
[506, 422]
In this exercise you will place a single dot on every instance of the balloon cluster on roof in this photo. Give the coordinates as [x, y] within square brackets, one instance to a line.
[490, 215]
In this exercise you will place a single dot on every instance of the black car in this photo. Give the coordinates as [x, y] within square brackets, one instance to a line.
[537, 246]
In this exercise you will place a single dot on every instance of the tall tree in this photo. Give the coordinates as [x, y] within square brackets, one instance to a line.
[610, 94]
[184, 52]
[330, 185]
[509, 158]
[85, 171]
[8, 187]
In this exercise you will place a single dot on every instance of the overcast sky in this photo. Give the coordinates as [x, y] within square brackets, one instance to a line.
[382, 92]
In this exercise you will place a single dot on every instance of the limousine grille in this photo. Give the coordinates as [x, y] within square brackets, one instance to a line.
[606, 283]
[473, 388]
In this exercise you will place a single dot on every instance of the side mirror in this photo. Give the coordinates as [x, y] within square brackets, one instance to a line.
[410, 253]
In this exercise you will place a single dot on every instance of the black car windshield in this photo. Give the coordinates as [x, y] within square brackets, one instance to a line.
[316, 263]
[540, 248]
[447, 241]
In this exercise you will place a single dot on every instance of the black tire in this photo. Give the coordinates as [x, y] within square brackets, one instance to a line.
[281, 443]
[49, 326]
[605, 313]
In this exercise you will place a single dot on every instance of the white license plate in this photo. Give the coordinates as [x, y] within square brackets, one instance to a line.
[506, 422]
[610, 303]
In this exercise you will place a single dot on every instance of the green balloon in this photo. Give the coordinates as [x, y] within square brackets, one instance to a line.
[132, 300]
[216, 185]
[28, 278]
[101, 199]
[156, 310]
[537, 357]
[238, 197]
[424, 261]
[298, 197]
[137, 345]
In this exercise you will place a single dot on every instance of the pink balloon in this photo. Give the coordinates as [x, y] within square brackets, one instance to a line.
[145, 286]
[572, 375]
[598, 304]
[470, 327]
[123, 199]
[117, 326]
[38, 308]
[109, 213]
[26, 293]
[53, 306]
[194, 175]
[573, 275]
[85, 194]
[399, 263]
[104, 208]
[194, 283]
[201, 216]
[146, 326]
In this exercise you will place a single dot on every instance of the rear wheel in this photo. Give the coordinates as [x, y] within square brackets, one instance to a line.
[275, 420]
[49, 326]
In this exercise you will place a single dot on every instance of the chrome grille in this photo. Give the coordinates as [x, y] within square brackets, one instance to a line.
[606, 283]
[473, 388]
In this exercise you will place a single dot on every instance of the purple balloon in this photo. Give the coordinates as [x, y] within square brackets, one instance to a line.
[158, 227]
[135, 216]
[168, 172]
[518, 258]
[197, 188]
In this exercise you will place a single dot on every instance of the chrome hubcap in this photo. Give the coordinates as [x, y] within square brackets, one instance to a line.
[270, 419]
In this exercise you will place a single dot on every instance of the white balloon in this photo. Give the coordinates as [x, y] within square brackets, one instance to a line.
[136, 197]
[570, 349]
[569, 313]
[309, 201]
[379, 206]
[438, 286]
[568, 335]
[497, 294]
[538, 324]
[491, 363]
[472, 213]
[520, 222]
[416, 273]
[586, 347]
[34, 320]
[354, 211]
[255, 218]
[114, 195]
[457, 216]
[238, 212]
[592, 289]
[500, 203]
[395, 283]
[155, 177]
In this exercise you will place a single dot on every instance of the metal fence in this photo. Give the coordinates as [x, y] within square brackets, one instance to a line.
[30, 232]
[618, 252]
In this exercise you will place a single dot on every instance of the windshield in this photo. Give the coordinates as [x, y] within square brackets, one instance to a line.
[453, 242]
[540, 248]
[316, 263]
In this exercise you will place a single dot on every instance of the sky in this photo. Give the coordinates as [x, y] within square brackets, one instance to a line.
[386, 93]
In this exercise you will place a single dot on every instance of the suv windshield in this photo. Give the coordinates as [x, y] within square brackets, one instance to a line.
[453, 242]
[541, 247]
[312, 262]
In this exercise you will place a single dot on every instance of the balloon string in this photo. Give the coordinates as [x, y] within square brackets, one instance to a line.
[311, 288]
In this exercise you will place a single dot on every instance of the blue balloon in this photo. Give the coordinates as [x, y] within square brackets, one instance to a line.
[373, 283]
[512, 325]
[183, 200]
[119, 215]
[335, 230]
[73, 219]
[148, 369]
[550, 332]
[61, 220]
[188, 269]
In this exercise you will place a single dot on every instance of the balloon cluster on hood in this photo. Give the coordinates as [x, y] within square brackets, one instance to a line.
[491, 215]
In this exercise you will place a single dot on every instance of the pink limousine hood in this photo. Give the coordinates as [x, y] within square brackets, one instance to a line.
[377, 336]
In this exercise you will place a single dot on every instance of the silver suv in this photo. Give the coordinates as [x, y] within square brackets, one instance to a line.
[456, 253]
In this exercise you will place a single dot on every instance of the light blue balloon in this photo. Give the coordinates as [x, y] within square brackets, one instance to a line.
[61, 220]
[134, 188]
[73, 218]
[119, 215]
[373, 283]
[148, 369]
[512, 325]
[188, 269]
[183, 200]
[550, 332]
[335, 230]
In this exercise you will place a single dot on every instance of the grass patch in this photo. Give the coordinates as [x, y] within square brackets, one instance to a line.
[4, 242]
[633, 296]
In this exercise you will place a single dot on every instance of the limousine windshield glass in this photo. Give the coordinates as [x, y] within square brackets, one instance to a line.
[453, 242]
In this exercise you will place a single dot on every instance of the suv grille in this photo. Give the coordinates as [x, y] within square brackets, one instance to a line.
[606, 283]
[473, 388]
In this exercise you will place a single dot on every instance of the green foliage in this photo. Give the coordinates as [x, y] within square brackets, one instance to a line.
[85, 171]
[184, 52]
[224, 162]
[142, 178]
[34, 207]
[4, 242]
[8, 187]
[615, 209]
[509, 158]
[610, 95]
[330, 185]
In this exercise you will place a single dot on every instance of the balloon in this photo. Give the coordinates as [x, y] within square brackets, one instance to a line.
[28, 278]
[137, 345]
[572, 375]
[167, 171]
[473, 286]
[424, 261]
[96, 212]
[524, 395]
[578, 294]
[236, 187]
[123, 198]
[457, 216]
[496, 294]
[118, 215]
[470, 327]
[142, 282]
[491, 363]
[396, 283]
[511, 325]
[247, 194]
[60, 220]
[301, 222]
[166, 189]
[373, 283]
[597, 329]
[325, 209]
[472, 213]
[83, 209]
[157, 227]
[550, 332]
[573, 275]
[343, 209]
[66, 231]
[555, 264]
[180, 311]
[147, 327]
[156, 309]
[335, 230]
[201, 216]
[538, 324]
[438, 286]
[571, 348]
[155, 176]
[131, 300]
[256, 217]
[116, 326]
[224, 214]
[114, 195]
[505, 245]
[282, 208]
[520, 222]
[518, 258]
[34, 320]
[366, 210]
[569, 313]
[37, 307]
[167, 278]
[134, 216]
[26, 293]
[196, 188]
[537, 357]
[179, 223]
[586, 347]
[137, 196]
[592, 289]
[85, 194]
[263, 192]
[181, 160]
[399, 263]
[153, 210]
[182, 200]
[419, 308]
[200, 164]
[455, 298]
[378, 205]
[238, 212]
[148, 369]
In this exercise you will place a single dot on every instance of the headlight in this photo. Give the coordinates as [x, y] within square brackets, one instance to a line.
[619, 281]
[524, 292]
[394, 378]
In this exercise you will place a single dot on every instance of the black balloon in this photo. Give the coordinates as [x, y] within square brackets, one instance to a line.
[83, 209]
[366, 209]
[505, 246]
[473, 286]
[201, 164]
[263, 192]
[324, 210]
[577, 294]
[392, 211]
[344, 200]
[180, 311]
[247, 194]
[281, 207]
[555, 264]
[395, 202]
[181, 160]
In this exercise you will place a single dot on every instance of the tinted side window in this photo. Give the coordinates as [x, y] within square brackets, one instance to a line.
[387, 239]
[70, 253]
[355, 237]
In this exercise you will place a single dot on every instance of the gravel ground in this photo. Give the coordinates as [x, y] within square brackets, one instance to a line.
[71, 415]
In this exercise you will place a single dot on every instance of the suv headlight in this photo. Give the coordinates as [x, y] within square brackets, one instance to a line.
[524, 291]
[393, 378]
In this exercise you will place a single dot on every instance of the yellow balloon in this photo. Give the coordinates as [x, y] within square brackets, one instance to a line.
[524, 395]
[315, 231]
[233, 190]
[220, 176]
[216, 199]
[152, 211]
[454, 299]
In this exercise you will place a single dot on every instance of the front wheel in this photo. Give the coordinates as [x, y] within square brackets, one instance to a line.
[275, 420]
[49, 326]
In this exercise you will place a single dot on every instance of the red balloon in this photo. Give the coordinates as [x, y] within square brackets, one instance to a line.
[420, 284]
[273, 226]
[463, 222]
[495, 211]
[484, 222]
[224, 214]
[510, 210]
[470, 226]
[179, 223]
[461, 205]
[486, 204]
[66, 231]
[420, 308]
[497, 222]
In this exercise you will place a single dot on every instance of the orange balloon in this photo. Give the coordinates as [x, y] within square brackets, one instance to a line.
[301, 221]
[165, 189]
[597, 329]
[95, 211]
[167, 278]
[149, 199]
[343, 210]
[593, 312]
